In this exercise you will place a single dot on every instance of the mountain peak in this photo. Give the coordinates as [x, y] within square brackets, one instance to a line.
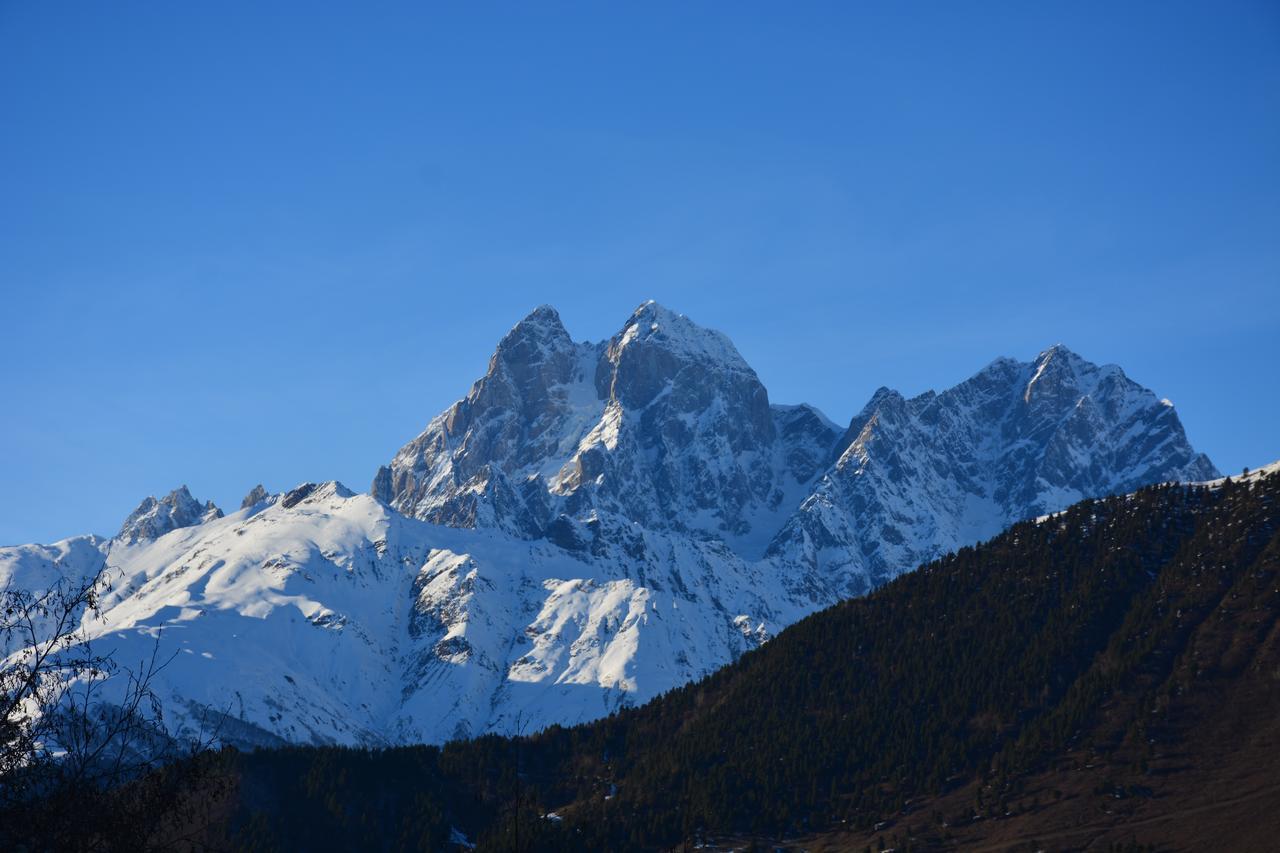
[256, 495]
[885, 393]
[533, 357]
[314, 492]
[154, 518]
[543, 315]
[1057, 350]
[655, 325]
[652, 309]
[535, 337]
[663, 422]
[1016, 439]
[1057, 369]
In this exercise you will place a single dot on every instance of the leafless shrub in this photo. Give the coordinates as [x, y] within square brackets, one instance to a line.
[86, 761]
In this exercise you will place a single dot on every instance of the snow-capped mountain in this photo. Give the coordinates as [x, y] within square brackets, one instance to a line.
[593, 524]
[664, 425]
[918, 478]
[154, 518]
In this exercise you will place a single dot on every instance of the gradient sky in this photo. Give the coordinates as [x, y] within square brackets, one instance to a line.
[241, 244]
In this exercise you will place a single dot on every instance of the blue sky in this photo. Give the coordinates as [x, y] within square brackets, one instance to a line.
[241, 244]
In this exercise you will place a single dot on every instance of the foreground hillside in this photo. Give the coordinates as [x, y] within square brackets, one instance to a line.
[1110, 673]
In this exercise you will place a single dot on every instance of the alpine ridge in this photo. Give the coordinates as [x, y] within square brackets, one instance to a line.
[591, 525]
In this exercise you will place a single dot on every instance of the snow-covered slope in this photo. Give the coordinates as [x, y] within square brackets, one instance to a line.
[1248, 476]
[591, 525]
[326, 616]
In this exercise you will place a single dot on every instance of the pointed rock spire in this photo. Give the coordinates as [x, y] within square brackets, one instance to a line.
[654, 325]
[154, 518]
[256, 495]
[381, 487]
[535, 338]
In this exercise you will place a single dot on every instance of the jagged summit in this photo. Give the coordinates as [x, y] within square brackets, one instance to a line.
[924, 476]
[256, 495]
[543, 314]
[154, 518]
[1057, 349]
[1058, 369]
[313, 492]
[652, 324]
[664, 424]
[535, 337]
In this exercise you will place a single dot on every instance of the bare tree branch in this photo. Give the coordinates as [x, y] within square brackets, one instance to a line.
[85, 768]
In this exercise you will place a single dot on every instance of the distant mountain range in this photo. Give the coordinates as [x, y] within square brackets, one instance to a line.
[592, 525]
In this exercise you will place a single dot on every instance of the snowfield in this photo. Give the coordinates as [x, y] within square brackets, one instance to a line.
[338, 620]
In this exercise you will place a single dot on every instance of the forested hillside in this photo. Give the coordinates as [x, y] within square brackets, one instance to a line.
[1088, 638]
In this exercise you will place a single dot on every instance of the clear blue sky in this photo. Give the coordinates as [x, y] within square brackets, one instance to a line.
[241, 244]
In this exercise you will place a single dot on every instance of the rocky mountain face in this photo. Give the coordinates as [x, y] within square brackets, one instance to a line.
[154, 518]
[918, 478]
[664, 425]
[593, 524]
[256, 495]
